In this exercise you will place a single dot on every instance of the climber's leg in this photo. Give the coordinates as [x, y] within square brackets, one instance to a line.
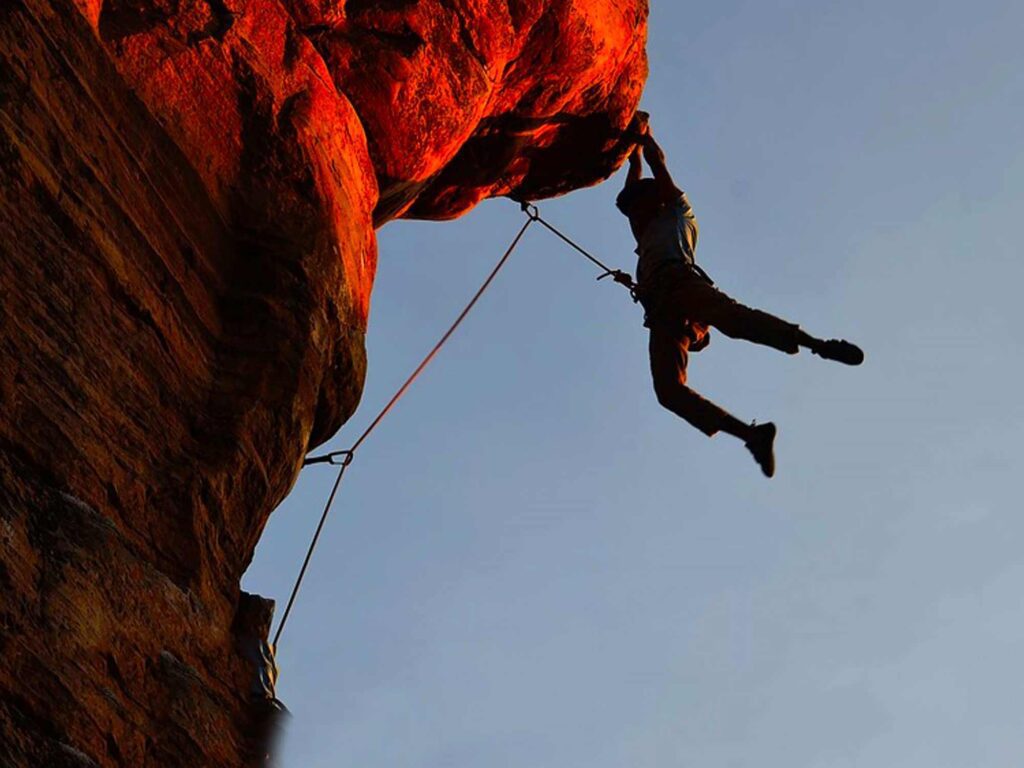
[669, 356]
[669, 353]
[702, 302]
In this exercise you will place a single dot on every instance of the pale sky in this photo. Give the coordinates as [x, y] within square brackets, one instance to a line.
[532, 564]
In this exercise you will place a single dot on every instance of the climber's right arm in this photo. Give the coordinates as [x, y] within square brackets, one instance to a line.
[655, 157]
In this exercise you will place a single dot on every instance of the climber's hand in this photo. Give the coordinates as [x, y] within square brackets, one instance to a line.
[639, 127]
[641, 122]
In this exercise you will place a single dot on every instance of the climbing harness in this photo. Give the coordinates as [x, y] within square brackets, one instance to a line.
[344, 459]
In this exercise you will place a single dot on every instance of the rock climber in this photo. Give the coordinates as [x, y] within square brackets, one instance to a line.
[681, 301]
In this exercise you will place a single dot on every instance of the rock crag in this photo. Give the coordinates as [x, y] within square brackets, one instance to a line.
[187, 251]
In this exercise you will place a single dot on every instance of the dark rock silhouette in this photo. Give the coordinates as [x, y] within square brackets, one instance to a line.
[190, 190]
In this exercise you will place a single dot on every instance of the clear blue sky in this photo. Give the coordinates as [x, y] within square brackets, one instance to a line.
[532, 564]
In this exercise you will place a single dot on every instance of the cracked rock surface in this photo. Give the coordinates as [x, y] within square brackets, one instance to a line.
[187, 251]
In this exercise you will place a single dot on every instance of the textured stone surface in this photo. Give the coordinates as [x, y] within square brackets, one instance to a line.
[469, 99]
[187, 250]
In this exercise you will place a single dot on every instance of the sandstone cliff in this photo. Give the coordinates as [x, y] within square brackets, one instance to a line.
[190, 192]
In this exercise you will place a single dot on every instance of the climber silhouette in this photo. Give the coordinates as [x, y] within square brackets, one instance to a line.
[681, 301]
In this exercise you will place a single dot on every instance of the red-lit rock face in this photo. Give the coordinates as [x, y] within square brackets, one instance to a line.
[187, 250]
[475, 98]
[458, 100]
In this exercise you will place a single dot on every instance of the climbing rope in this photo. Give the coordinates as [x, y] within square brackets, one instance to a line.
[343, 459]
[620, 277]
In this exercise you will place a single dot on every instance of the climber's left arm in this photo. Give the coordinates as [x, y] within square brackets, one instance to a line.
[636, 166]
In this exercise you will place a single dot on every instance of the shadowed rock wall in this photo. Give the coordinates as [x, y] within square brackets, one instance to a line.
[187, 250]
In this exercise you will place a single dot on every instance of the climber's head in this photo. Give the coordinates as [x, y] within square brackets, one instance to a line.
[638, 194]
[640, 203]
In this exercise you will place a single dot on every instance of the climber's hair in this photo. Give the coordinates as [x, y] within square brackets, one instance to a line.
[633, 192]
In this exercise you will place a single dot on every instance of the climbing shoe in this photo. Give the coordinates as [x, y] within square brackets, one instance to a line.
[839, 350]
[761, 445]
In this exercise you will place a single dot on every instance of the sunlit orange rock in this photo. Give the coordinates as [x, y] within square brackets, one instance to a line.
[187, 251]
[475, 98]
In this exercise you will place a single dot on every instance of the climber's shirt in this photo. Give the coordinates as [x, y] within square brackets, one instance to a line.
[670, 237]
